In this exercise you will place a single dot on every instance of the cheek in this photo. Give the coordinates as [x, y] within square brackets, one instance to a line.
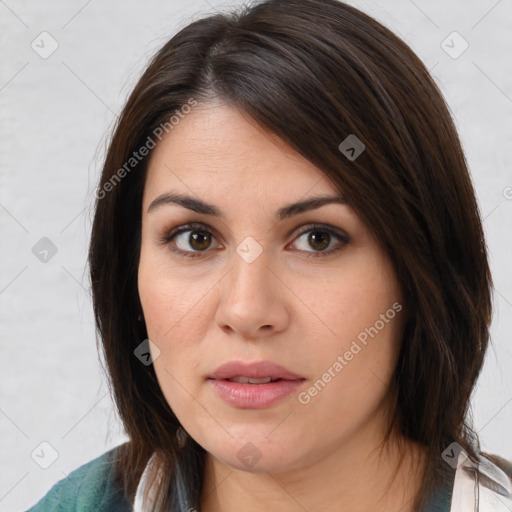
[351, 380]
[174, 322]
[168, 300]
[362, 309]
[176, 317]
[354, 299]
[174, 327]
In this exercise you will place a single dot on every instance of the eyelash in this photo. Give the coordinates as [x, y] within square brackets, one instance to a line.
[168, 237]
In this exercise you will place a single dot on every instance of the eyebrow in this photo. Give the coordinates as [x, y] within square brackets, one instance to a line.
[198, 206]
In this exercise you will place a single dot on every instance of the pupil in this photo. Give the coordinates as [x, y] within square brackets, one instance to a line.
[319, 239]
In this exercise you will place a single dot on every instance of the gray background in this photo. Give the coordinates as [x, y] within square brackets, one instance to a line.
[56, 113]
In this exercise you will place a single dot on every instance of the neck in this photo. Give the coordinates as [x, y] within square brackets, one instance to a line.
[357, 477]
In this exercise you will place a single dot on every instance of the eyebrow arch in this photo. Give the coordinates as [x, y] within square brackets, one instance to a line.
[285, 212]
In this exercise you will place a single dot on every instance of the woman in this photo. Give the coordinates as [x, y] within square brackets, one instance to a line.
[290, 279]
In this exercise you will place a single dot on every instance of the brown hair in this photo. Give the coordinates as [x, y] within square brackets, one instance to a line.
[312, 72]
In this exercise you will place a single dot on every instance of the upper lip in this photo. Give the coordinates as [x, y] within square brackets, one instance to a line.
[258, 369]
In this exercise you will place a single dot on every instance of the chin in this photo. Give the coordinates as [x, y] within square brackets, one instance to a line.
[256, 453]
[260, 463]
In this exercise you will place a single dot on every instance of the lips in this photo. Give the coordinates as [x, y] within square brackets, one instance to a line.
[259, 385]
[253, 373]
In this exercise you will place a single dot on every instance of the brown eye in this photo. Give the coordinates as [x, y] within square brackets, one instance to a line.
[318, 240]
[197, 239]
[190, 240]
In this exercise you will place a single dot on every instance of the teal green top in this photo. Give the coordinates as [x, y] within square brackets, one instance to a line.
[91, 487]
[443, 497]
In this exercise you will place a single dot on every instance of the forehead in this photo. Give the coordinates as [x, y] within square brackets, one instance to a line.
[219, 149]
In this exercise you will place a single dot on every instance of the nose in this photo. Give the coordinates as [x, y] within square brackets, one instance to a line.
[252, 299]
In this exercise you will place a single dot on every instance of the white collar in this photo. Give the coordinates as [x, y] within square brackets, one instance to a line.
[138, 504]
[482, 487]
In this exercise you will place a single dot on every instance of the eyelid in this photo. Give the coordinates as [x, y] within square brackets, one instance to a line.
[190, 226]
[324, 227]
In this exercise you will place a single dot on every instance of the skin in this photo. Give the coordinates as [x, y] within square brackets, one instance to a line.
[286, 306]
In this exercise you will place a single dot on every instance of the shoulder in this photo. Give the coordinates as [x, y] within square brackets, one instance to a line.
[90, 487]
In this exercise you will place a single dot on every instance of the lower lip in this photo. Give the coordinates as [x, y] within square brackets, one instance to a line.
[255, 396]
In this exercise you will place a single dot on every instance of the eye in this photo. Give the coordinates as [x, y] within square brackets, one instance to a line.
[190, 239]
[320, 237]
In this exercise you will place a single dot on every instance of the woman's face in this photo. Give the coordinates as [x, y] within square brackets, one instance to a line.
[250, 279]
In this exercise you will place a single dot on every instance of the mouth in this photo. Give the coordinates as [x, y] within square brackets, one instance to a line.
[255, 385]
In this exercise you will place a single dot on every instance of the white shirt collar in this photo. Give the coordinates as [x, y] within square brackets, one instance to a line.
[138, 502]
[483, 487]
